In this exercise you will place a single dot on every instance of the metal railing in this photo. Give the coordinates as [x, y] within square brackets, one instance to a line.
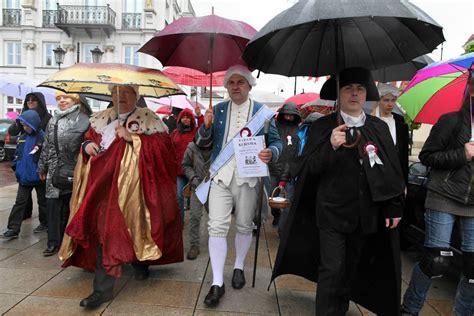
[176, 6]
[11, 17]
[49, 18]
[131, 21]
[76, 14]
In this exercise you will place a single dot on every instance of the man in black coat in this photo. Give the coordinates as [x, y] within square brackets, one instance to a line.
[348, 200]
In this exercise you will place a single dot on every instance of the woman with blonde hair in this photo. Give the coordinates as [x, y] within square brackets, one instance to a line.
[63, 138]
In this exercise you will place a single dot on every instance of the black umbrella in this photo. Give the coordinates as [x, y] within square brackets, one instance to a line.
[401, 72]
[321, 37]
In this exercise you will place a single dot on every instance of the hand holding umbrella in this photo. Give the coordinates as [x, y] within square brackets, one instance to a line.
[208, 118]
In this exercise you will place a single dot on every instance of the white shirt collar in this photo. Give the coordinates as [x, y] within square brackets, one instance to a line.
[353, 121]
[243, 105]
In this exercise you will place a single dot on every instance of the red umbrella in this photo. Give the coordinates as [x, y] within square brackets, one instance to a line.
[303, 98]
[194, 78]
[165, 109]
[208, 43]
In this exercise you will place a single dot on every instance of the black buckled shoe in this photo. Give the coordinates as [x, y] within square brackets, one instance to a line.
[404, 312]
[214, 295]
[95, 300]
[10, 234]
[238, 279]
[50, 251]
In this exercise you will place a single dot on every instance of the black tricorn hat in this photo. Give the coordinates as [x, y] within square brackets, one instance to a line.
[349, 76]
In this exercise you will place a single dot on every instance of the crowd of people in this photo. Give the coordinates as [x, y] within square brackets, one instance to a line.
[111, 190]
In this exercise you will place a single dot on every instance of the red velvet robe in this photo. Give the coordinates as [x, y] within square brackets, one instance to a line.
[99, 219]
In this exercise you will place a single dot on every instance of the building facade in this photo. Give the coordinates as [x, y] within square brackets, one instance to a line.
[31, 29]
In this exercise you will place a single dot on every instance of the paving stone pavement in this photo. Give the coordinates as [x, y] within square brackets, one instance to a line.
[31, 284]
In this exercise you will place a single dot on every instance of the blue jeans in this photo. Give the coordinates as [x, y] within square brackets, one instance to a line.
[180, 183]
[439, 226]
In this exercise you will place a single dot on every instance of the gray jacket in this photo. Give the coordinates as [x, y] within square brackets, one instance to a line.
[72, 125]
[196, 162]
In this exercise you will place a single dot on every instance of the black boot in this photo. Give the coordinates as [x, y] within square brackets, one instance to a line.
[141, 271]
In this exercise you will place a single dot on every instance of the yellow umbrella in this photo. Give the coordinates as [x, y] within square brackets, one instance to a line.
[95, 79]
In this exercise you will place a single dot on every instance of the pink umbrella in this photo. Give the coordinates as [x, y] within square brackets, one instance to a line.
[177, 101]
[303, 98]
[194, 78]
[12, 115]
[208, 43]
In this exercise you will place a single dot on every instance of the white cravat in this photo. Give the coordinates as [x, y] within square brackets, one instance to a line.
[108, 134]
[353, 121]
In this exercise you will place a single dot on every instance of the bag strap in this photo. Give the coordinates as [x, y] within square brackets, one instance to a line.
[56, 139]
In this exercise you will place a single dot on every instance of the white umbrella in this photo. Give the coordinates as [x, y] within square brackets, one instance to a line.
[19, 86]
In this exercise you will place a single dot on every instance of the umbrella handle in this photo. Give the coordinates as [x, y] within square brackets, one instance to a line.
[358, 137]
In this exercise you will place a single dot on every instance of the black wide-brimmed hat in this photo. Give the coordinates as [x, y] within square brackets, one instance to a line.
[349, 76]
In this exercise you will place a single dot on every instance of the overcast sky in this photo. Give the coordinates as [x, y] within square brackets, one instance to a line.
[455, 16]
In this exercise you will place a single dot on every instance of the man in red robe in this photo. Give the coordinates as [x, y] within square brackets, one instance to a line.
[123, 206]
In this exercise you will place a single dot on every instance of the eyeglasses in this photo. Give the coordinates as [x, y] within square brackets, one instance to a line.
[31, 100]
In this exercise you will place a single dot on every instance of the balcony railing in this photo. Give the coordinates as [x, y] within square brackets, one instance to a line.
[87, 18]
[49, 18]
[131, 21]
[76, 14]
[11, 17]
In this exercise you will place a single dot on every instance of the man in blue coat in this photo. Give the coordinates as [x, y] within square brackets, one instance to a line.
[229, 191]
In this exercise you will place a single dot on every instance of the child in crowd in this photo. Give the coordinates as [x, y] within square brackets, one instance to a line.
[26, 160]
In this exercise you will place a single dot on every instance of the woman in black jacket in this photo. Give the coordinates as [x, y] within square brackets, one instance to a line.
[449, 151]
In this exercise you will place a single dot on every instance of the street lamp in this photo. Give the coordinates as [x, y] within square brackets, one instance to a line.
[96, 55]
[59, 54]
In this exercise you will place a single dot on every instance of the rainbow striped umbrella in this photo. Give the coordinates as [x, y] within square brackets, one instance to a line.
[437, 89]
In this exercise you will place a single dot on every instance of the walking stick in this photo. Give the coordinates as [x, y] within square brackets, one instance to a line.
[258, 218]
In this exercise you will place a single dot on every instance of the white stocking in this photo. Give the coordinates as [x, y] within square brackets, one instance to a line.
[217, 252]
[242, 245]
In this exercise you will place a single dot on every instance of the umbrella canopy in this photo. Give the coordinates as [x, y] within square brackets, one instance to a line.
[303, 98]
[321, 37]
[437, 89]
[164, 109]
[19, 86]
[12, 115]
[177, 101]
[194, 78]
[208, 43]
[401, 72]
[95, 79]
[324, 107]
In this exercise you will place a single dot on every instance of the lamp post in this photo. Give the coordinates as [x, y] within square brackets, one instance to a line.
[59, 54]
[96, 55]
